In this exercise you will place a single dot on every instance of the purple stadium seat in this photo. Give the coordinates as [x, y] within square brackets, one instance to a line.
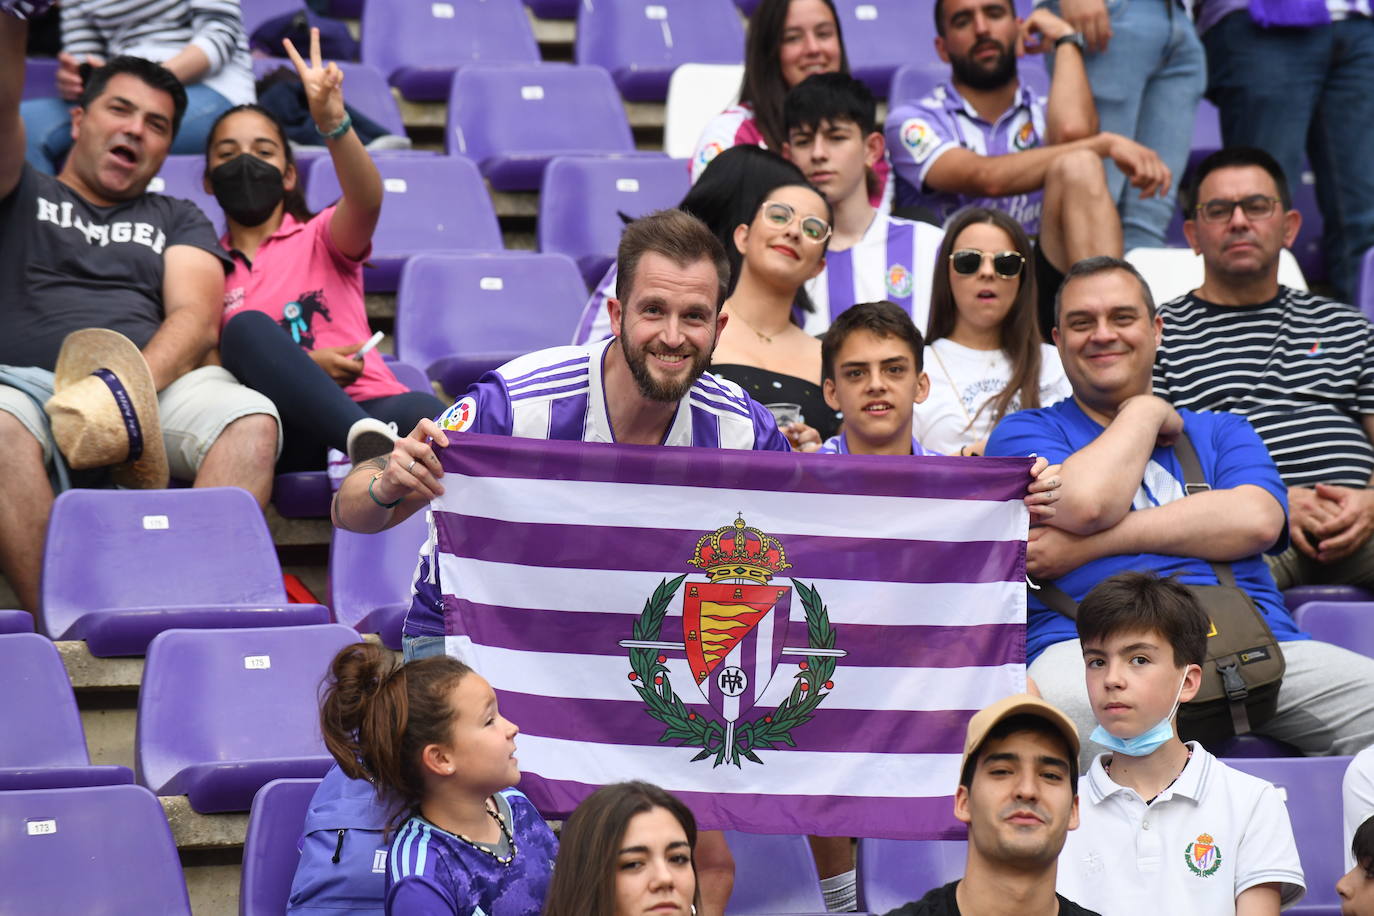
[553, 9]
[1364, 285]
[413, 377]
[40, 77]
[184, 177]
[583, 197]
[1308, 247]
[512, 120]
[1254, 746]
[44, 745]
[1299, 595]
[1348, 624]
[222, 712]
[347, 9]
[256, 12]
[747, 7]
[419, 44]
[270, 853]
[365, 89]
[462, 315]
[641, 42]
[893, 872]
[1312, 788]
[100, 849]
[371, 576]
[121, 566]
[776, 875]
[914, 81]
[16, 621]
[432, 203]
[882, 35]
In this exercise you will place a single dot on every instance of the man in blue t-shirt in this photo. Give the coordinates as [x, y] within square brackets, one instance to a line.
[1122, 507]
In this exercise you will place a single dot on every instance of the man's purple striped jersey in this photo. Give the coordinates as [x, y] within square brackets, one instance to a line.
[558, 393]
[431, 872]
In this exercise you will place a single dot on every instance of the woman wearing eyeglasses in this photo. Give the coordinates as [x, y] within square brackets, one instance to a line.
[763, 348]
[983, 352]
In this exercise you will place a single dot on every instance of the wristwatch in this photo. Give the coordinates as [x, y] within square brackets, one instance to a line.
[1073, 38]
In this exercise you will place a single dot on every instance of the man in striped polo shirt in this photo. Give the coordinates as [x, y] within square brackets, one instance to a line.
[1299, 366]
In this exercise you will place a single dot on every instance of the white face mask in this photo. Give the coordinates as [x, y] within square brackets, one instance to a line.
[1149, 741]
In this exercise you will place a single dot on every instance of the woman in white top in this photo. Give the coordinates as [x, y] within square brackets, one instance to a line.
[983, 352]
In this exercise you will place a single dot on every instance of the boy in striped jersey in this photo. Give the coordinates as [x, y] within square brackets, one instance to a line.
[1299, 367]
[834, 138]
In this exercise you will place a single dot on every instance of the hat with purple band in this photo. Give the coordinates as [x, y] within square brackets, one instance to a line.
[104, 409]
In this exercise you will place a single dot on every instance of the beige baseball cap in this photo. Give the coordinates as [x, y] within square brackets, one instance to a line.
[1017, 704]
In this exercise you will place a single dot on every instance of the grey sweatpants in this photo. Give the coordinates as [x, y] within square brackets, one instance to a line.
[1326, 703]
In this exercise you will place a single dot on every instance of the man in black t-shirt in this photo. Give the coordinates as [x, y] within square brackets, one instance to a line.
[1018, 795]
[1298, 366]
[90, 248]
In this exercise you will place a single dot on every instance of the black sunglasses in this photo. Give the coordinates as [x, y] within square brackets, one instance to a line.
[1006, 264]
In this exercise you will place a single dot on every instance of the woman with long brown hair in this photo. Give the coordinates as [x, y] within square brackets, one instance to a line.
[983, 351]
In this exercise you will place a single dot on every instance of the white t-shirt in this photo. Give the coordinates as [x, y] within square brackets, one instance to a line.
[1211, 835]
[962, 381]
[1357, 798]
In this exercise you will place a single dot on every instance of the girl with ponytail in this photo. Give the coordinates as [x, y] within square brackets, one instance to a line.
[430, 739]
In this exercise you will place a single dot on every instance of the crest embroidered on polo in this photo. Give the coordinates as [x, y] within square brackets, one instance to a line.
[460, 416]
[735, 632]
[1203, 856]
[899, 281]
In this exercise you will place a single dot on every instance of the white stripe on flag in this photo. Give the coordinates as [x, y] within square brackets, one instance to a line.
[790, 772]
[879, 603]
[688, 509]
[559, 674]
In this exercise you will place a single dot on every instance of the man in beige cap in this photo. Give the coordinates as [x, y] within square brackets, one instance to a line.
[1017, 794]
[90, 248]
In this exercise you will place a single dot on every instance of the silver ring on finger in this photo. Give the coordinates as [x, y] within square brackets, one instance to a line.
[410, 467]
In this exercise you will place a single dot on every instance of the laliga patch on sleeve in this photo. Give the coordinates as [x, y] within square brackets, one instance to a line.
[919, 138]
[460, 416]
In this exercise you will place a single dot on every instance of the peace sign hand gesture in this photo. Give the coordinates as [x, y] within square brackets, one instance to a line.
[323, 84]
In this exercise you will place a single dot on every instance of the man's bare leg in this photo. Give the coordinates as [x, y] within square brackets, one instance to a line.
[25, 504]
[244, 455]
[1079, 219]
[715, 872]
[834, 857]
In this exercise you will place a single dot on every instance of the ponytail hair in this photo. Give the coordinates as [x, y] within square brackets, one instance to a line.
[377, 716]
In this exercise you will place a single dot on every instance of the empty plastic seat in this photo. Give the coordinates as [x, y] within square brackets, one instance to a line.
[893, 872]
[432, 203]
[696, 94]
[44, 745]
[641, 42]
[419, 44]
[101, 849]
[462, 315]
[270, 853]
[121, 566]
[256, 12]
[512, 120]
[16, 621]
[1312, 788]
[184, 177]
[1364, 285]
[1348, 624]
[776, 875]
[40, 77]
[371, 577]
[365, 89]
[413, 377]
[882, 35]
[1298, 595]
[583, 198]
[223, 712]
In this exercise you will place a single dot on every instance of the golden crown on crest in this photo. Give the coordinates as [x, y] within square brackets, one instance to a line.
[738, 551]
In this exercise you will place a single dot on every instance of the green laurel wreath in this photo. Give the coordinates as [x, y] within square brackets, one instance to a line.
[1188, 860]
[689, 729]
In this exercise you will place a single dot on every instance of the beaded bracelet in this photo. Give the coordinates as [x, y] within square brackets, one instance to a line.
[339, 131]
[390, 505]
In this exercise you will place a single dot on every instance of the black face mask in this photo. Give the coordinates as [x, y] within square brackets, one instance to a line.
[248, 189]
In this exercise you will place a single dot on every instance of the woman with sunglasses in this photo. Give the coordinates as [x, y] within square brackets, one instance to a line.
[983, 351]
[787, 41]
[762, 348]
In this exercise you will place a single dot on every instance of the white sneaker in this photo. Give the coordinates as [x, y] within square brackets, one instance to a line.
[369, 438]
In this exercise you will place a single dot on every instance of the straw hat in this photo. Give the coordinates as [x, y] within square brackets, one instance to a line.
[104, 400]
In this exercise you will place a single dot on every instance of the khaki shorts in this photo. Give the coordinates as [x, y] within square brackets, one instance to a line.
[194, 410]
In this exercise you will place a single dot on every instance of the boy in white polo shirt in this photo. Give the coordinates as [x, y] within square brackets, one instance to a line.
[1165, 827]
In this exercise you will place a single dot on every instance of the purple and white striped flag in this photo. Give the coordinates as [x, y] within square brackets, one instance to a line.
[790, 643]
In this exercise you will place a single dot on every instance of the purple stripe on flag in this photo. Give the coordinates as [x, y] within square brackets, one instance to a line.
[479, 455]
[583, 360]
[627, 722]
[659, 549]
[545, 392]
[888, 818]
[868, 645]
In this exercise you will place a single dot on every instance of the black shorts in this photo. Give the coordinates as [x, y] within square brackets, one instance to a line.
[1047, 281]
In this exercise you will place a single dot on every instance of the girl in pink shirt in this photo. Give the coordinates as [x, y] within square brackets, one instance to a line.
[293, 303]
